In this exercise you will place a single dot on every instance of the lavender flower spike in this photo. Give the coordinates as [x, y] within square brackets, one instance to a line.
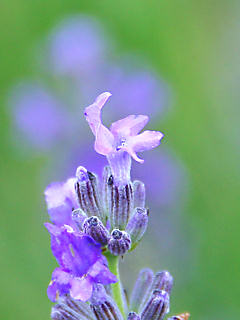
[122, 141]
[81, 264]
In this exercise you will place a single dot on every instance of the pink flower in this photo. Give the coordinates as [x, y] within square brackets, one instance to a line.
[122, 141]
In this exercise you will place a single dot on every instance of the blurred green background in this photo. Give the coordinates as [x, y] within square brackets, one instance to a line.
[195, 46]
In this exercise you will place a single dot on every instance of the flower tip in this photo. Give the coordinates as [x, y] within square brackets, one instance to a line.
[81, 174]
[102, 98]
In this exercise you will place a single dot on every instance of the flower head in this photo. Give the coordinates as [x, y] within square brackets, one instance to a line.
[122, 141]
[81, 264]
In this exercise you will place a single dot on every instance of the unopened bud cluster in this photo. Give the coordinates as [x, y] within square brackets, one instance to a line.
[113, 215]
[149, 301]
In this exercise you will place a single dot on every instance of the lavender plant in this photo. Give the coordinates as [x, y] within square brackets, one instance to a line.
[76, 59]
[96, 221]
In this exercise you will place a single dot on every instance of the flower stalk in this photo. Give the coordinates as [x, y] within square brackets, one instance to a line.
[117, 293]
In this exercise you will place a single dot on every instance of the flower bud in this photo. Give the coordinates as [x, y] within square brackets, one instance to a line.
[163, 281]
[133, 316]
[87, 192]
[119, 242]
[137, 224]
[81, 308]
[107, 187]
[78, 216]
[121, 205]
[139, 194]
[94, 228]
[182, 316]
[141, 289]
[103, 306]
[69, 309]
[59, 312]
[157, 306]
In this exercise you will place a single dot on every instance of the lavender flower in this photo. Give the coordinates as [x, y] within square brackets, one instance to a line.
[46, 113]
[81, 264]
[106, 219]
[122, 141]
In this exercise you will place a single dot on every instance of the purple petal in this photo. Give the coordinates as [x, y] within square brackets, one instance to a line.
[81, 253]
[52, 291]
[104, 138]
[74, 251]
[59, 284]
[81, 289]
[93, 112]
[61, 276]
[61, 200]
[144, 141]
[104, 141]
[129, 126]
[52, 229]
[101, 274]
[56, 248]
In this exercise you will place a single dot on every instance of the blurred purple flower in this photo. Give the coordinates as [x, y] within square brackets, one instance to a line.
[38, 115]
[81, 264]
[136, 88]
[76, 46]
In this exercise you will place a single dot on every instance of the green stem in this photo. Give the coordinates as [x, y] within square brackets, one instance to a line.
[116, 287]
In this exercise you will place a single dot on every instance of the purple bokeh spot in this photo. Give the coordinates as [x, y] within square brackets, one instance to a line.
[76, 45]
[38, 115]
[136, 90]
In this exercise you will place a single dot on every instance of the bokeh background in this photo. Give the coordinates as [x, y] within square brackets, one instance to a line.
[193, 47]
